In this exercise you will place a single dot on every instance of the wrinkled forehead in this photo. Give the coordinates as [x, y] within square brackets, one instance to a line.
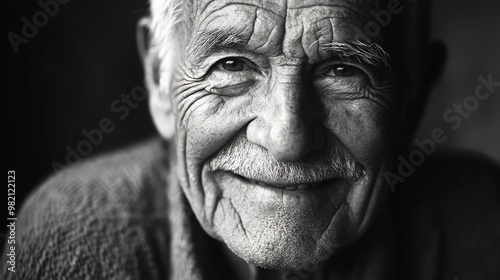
[295, 28]
[283, 7]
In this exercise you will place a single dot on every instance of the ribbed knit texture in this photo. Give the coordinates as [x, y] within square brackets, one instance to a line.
[105, 219]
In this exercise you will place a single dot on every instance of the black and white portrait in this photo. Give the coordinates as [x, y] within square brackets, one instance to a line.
[252, 140]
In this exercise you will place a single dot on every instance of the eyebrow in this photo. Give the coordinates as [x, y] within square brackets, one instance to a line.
[372, 54]
[207, 41]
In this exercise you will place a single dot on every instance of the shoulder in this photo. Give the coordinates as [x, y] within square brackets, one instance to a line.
[451, 178]
[450, 211]
[129, 180]
[454, 181]
[102, 219]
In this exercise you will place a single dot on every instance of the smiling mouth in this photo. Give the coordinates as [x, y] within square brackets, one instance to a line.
[283, 186]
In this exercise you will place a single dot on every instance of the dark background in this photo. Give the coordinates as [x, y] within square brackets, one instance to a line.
[66, 77]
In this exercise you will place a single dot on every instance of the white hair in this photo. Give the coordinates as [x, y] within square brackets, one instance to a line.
[168, 31]
[253, 161]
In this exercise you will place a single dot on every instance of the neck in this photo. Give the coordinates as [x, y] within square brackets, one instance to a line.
[315, 272]
[246, 271]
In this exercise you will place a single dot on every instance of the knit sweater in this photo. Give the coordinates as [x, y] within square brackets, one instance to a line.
[123, 216]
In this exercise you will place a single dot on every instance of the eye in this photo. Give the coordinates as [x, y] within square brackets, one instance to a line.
[343, 70]
[232, 76]
[233, 64]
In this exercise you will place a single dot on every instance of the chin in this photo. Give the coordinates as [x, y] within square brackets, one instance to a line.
[286, 227]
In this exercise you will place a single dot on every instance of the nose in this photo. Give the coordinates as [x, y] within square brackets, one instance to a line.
[287, 124]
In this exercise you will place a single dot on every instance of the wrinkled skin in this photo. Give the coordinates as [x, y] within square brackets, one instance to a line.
[283, 95]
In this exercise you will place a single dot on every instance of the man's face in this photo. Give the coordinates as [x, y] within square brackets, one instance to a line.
[284, 125]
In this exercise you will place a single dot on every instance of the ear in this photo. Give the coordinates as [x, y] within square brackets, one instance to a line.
[159, 102]
[431, 70]
[435, 61]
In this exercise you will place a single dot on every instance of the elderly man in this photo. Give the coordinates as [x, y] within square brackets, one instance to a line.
[279, 121]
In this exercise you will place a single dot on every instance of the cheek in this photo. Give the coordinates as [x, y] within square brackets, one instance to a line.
[207, 121]
[363, 126]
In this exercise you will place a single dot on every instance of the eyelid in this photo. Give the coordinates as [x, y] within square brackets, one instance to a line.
[260, 63]
[229, 83]
[367, 69]
[228, 90]
[251, 65]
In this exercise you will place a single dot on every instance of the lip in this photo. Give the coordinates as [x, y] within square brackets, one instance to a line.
[281, 186]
